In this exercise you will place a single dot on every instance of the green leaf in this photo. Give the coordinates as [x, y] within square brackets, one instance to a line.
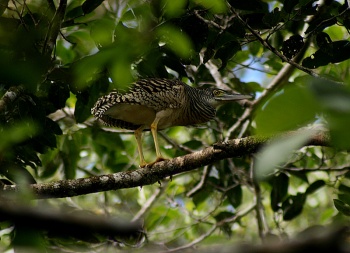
[273, 18]
[289, 109]
[17, 133]
[82, 109]
[289, 5]
[174, 8]
[3, 6]
[90, 5]
[176, 40]
[333, 52]
[277, 152]
[237, 29]
[292, 46]
[293, 206]
[315, 186]
[202, 195]
[316, 60]
[235, 196]
[344, 188]
[16, 173]
[335, 100]
[342, 207]
[193, 144]
[218, 6]
[345, 197]
[279, 190]
[226, 228]
[226, 52]
[322, 21]
[102, 32]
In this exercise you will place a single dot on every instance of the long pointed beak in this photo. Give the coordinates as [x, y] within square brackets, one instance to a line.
[232, 97]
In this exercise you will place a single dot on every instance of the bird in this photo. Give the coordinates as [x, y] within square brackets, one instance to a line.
[158, 103]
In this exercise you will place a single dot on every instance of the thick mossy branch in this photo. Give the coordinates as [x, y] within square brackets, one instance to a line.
[146, 176]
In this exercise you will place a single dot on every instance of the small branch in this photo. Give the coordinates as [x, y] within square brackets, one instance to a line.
[159, 171]
[214, 71]
[234, 218]
[196, 241]
[344, 168]
[259, 207]
[280, 79]
[274, 50]
[54, 27]
[200, 185]
[149, 203]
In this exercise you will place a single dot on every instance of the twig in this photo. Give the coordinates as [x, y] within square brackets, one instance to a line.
[211, 230]
[200, 185]
[196, 241]
[149, 203]
[273, 50]
[175, 144]
[259, 207]
[279, 79]
[214, 71]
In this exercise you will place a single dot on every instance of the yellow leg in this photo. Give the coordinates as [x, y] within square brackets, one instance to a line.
[138, 136]
[155, 138]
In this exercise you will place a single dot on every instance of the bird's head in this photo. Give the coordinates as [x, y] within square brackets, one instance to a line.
[219, 96]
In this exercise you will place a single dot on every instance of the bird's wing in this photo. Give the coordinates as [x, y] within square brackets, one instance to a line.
[156, 93]
[106, 102]
[153, 94]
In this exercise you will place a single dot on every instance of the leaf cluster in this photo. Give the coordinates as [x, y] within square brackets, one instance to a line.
[58, 57]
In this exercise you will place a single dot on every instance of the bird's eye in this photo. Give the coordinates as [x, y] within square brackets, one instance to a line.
[217, 93]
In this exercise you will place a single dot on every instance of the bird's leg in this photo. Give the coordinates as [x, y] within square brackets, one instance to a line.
[138, 136]
[155, 138]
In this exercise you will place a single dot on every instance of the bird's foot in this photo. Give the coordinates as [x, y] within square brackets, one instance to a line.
[149, 165]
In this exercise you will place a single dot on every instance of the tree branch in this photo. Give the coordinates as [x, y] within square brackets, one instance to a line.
[62, 223]
[159, 171]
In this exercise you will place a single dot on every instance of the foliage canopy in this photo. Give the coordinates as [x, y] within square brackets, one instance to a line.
[57, 57]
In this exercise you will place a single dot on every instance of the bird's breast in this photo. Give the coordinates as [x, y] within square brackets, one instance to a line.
[135, 114]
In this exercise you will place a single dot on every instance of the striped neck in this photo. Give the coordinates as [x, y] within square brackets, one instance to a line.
[199, 108]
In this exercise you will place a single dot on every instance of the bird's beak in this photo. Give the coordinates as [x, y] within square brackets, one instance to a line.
[232, 97]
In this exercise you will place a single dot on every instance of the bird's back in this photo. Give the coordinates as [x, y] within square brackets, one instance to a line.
[139, 105]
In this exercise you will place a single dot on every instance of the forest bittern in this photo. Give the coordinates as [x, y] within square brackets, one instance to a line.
[157, 104]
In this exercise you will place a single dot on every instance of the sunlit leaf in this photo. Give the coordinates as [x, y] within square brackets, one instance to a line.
[288, 109]
[277, 152]
[218, 6]
[174, 8]
[335, 100]
[175, 40]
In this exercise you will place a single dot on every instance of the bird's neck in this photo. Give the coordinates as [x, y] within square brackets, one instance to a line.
[199, 108]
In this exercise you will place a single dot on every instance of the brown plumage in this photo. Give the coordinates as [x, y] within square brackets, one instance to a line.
[157, 104]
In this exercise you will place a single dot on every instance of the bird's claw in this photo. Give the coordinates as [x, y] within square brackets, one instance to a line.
[149, 165]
